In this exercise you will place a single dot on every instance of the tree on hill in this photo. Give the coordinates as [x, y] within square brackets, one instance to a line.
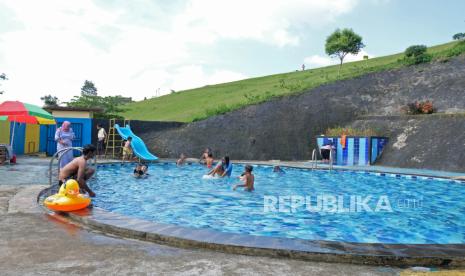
[111, 105]
[50, 100]
[4, 78]
[416, 54]
[458, 36]
[343, 42]
[89, 89]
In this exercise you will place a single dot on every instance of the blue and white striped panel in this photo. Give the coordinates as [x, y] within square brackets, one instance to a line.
[374, 149]
[350, 151]
[362, 156]
[356, 150]
[339, 152]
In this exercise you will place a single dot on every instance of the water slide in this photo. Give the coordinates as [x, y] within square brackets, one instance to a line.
[138, 146]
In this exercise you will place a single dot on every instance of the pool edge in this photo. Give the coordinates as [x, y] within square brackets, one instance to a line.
[444, 255]
[400, 255]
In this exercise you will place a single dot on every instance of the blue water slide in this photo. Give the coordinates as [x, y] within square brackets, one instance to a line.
[138, 146]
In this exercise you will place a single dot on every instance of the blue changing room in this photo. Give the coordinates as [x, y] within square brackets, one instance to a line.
[81, 123]
[358, 150]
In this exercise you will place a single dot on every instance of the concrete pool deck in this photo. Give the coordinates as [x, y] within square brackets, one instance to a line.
[33, 242]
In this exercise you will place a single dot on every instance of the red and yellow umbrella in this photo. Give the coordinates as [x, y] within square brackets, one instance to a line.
[19, 112]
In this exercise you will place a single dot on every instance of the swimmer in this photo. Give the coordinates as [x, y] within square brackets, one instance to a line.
[204, 156]
[249, 180]
[182, 160]
[140, 170]
[209, 160]
[277, 169]
[223, 168]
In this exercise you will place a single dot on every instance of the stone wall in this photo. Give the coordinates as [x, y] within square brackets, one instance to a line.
[285, 128]
[421, 141]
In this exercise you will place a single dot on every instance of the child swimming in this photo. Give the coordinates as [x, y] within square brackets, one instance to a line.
[209, 160]
[182, 160]
[140, 170]
[277, 169]
[248, 178]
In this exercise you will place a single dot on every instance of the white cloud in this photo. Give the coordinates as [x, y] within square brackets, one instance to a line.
[63, 43]
[269, 21]
[316, 61]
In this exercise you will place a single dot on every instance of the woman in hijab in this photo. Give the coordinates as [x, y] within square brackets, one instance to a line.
[64, 137]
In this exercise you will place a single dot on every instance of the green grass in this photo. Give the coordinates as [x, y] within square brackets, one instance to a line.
[200, 103]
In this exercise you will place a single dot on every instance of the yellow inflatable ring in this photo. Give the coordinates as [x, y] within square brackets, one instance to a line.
[68, 198]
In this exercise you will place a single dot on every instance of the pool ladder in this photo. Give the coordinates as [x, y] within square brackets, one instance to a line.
[314, 161]
[50, 171]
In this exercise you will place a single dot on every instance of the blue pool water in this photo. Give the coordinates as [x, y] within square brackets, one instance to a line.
[423, 210]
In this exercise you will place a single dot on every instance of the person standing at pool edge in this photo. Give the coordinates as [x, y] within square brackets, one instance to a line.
[326, 150]
[101, 135]
[77, 169]
[64, 137]
[127, 149]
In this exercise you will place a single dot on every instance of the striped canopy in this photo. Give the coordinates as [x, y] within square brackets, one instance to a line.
[19, 112]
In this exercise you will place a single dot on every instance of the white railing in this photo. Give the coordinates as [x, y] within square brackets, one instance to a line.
[331, 160]
[314, 160]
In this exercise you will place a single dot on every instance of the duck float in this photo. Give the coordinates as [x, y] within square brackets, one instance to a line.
[68, 198]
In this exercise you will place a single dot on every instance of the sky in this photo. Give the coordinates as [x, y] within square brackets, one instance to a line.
[146, 48]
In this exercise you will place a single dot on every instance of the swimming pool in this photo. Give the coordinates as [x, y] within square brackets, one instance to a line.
[422, 211]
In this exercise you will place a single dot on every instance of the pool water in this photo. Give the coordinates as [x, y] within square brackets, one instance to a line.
[422, 211]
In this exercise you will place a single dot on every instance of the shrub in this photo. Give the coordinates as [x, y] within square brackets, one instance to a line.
[416, 107]
[349, 131]
[416, 54]
[457, 50]
[221, 109]
[415, 50]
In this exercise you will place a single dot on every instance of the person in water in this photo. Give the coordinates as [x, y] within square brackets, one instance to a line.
[77, 169]
[209, 161]
[277, 169]
[182, 160]
[140, 170]
[223, 168]
[204, 156]
[248, 179]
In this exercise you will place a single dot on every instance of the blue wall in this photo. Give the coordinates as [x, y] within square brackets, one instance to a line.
[19, 138]
[82, 128]
[43, 138]
[357, 150]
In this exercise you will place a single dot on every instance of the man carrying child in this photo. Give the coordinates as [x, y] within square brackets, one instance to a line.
[248, 178]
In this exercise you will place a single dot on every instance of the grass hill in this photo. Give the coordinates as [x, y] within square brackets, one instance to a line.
[200, 103]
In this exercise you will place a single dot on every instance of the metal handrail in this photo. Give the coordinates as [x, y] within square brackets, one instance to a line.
[65, 150]
[314, 160]
[331, 160]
